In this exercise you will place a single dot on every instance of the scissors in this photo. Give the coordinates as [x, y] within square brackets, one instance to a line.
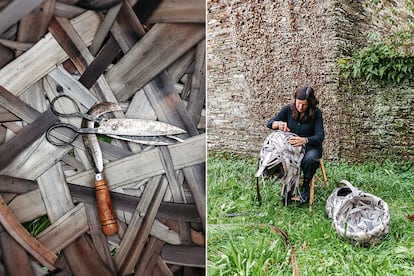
[148, 132]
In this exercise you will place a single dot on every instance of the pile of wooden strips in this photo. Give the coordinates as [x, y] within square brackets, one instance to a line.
[146, 56]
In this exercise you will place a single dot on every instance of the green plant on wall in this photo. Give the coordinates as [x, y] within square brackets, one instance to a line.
[389, 60]
[380, 61]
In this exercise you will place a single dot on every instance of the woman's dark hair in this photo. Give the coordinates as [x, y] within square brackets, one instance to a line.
[305, 93]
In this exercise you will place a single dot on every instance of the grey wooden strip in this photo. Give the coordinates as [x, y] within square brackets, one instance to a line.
[25, 137]
[99, 240]
[15, 11]
[179, 11]
[58, 202]
[147, 164]
[55, 193]
[9, 184]
[67, 11]
[179, 67]
[104, 28]
[153, 53]
[43, 56]
[198, 84]
[184, 255]
[127, 246]
[169, 107]
[17, 106]
[149, 258]
[65, 230]
[135, 237]
[28, 206]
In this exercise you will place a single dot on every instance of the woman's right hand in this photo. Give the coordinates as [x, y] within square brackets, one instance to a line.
[280, 126]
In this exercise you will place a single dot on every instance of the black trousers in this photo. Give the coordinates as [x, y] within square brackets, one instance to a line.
[310, 162]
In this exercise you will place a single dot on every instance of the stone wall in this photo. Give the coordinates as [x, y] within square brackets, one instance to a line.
[260, 52]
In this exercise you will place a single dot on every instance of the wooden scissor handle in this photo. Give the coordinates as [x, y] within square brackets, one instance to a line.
[106, 213]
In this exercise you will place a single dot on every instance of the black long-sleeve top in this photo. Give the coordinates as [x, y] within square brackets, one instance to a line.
[313, 130]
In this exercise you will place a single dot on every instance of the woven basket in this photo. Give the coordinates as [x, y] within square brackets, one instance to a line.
[362, 218]
[338, 195]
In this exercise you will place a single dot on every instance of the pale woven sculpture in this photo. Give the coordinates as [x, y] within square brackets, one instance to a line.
[335, 199]
[277, 151]
[361, 218]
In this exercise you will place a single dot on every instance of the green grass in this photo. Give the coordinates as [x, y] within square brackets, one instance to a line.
[239, 246]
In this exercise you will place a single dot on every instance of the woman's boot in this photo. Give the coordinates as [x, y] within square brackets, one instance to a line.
[305, 191]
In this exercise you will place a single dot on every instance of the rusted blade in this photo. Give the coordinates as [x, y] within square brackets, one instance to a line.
[137, 127]
[90, 140]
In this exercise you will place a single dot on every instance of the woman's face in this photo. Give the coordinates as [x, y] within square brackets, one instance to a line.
[301, 105]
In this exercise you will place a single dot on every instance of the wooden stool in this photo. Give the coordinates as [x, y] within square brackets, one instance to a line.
[312, 185]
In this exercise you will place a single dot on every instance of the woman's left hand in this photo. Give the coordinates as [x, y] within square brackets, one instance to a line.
[297, 141]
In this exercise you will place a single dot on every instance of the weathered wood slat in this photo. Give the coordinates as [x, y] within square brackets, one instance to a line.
[127, 29]
[161, 268]
[25, 137]
[149, 258]
[99, 240]
[12, 251]
[179, 67]
[137, 233]
[98, 66]
[22, 46]
[198, 84]
[179, 11]
[185, 154]
[65, 230]
[15, 11]
[185, 255]
[104, 28]
[123, 255]
[27, 241]
[67, 11]
[71, 87]
[28, 206]
[17, 106]
[52, 183]
[43, 56]
[38, 17]
[152, 53]
[9, 184]
[168, 106]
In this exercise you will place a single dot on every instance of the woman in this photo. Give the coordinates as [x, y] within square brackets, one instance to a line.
[303, 118]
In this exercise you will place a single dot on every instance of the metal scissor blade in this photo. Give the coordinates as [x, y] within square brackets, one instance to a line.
[137, 127]
[149, 140]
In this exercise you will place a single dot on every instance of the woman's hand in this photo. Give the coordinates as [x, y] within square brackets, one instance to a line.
[280, 126]
[297, 141]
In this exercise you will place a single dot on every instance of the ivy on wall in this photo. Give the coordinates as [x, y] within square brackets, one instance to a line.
[389, 61]
[379, 61]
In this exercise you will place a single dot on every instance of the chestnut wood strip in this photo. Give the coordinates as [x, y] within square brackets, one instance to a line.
[12, 251]
[97, 67]
[149, 258]
[161, 46]
[179, 11]
[31, 66]
[25, 137]
[24, 238]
